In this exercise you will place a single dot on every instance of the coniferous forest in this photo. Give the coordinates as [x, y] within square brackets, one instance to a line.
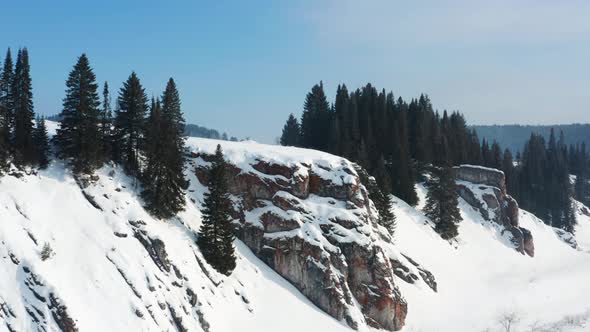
[146, 139]
[399, 141]
[396, 141]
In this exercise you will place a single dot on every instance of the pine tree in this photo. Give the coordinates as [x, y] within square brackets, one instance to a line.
[496, 156]
[22, 95]
[153, 147]
[78, 137]
[379, 198]
[581, 189]
[216, 234]
[163, 179]
[291, 132]
[383, 204]
[130, 124]
[402, 171]
[316, 118]
[486, 155]
[6, 100]
[335, 143]
[41, 143]
[106, 123]
[382, 175]
[4, 152]
[509, 172]
[4, 156]
[442, 203]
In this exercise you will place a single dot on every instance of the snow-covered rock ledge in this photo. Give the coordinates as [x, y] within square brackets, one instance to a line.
[485, 190]
[307, 215]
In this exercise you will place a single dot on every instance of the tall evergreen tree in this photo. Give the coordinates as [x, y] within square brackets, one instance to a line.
[495, 156]
[383, 204]
[402, 167]
[4, 155]
[106, 123]
[6, 100]
[78, 137]
[41, 143]
[163, 180]
[22, 95]
[316, 119]
[216, 234]
[291, 132]
[510, 172]
[442, 203]
[582, 188]
[130, 124]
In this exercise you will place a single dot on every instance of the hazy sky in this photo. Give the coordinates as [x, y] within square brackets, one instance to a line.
[243, 66]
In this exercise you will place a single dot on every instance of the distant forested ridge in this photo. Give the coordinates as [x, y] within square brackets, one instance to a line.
[514, 137]
[190, 130]
[193, 130]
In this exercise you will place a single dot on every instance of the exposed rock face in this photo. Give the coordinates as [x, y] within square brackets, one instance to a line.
[482, 175]
[315, 225]
[485, 189]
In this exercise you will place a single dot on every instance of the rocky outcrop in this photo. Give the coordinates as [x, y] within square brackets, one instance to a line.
[314, 224]
[485, 189]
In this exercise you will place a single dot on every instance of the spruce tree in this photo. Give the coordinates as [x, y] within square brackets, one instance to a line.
[4, 156]
[510, 173]
[163, 180]
[130, 124]
[216, 234]
[402, 170]
[442, 203]
[342, 133]
[496, 156]
[316, 119]
[291, 132]
[22, 95]
[4, 152]
[383, 205]
[381, 174]
[6, 100]
[78, 137]
[153, 146]
[106, 123]
[582, 188]
[41, 142]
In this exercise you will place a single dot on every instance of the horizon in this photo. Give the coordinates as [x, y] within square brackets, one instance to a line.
[497, 63]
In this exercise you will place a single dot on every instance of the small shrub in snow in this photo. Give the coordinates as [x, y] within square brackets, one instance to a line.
[509, 321]
[46, 252]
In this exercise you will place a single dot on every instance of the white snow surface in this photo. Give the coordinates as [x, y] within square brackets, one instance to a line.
[84, 269]
[479, 277]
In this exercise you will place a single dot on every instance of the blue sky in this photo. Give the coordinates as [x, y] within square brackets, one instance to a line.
[243, 66]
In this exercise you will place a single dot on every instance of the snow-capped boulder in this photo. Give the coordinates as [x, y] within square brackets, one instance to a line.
[485, 189]
[312, 222]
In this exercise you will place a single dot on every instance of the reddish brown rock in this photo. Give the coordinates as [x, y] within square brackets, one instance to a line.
[274, 223]
[342, 278]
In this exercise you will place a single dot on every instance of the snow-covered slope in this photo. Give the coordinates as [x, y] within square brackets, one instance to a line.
[109, 282]
[115, 268]
[482, 279]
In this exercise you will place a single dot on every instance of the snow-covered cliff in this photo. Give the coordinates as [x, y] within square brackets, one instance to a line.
[311, 256]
